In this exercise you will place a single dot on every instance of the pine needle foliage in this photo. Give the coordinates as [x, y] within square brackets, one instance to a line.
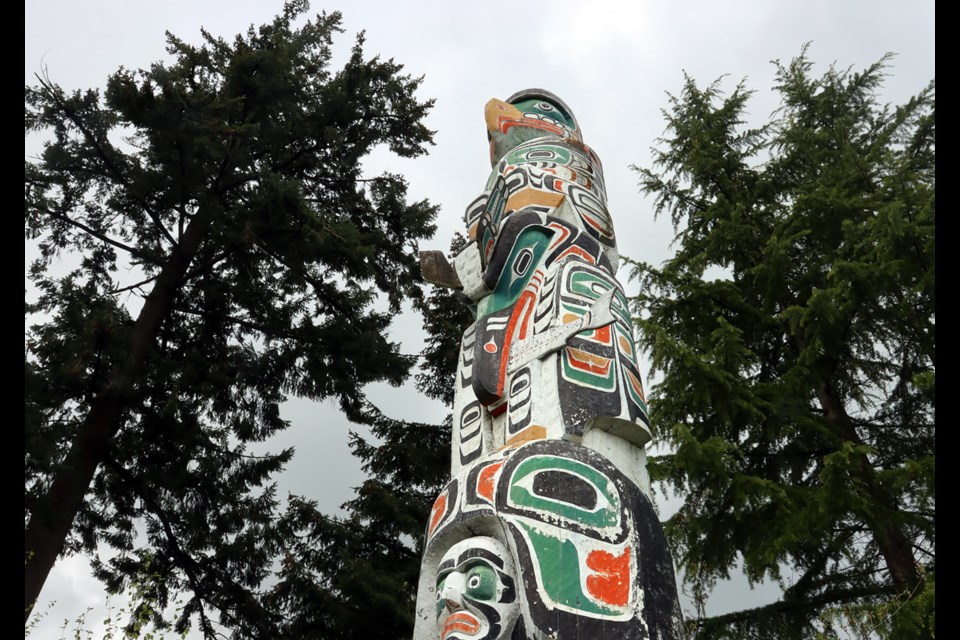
[227, 252]
[794, 330]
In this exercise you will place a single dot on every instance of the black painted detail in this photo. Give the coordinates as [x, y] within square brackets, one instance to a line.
[488, 354]
[565, 487]
[482, 554]
[506, 237]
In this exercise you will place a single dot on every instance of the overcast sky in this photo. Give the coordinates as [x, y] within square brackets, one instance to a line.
[611, 61]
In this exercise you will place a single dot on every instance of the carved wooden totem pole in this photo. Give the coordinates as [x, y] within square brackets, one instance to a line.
[545, 529]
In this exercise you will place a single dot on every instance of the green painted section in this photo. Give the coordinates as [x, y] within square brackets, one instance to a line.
[495, 206]
[605, 382]
[620, 308]
[440, 603]
[479, 580]
[581, 283]
[548, 110]
[607, 513]
[510, 286]
[561, 155]
[635, 397]
[560, 572]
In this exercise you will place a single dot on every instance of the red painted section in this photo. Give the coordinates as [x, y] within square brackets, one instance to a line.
[588, 362]
[436, 514]
[490, 347]
[529, 301]
[485, 481]
[522, 310]
[636, 386]
[596, 225]
[611, 582]
[506, 124]
[601, 335]
[488, 249]
[460, 621]
[576, 251]
[559, 237]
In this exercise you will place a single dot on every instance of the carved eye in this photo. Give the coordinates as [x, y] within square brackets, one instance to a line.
[481, 583]
[523, 261]
[564, 488]
[552, 486]
[540, 154]
[471, 414]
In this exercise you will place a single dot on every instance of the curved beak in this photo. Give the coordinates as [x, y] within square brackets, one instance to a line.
[452, 593]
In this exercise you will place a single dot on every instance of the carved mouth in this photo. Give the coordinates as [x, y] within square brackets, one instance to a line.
[461, 622]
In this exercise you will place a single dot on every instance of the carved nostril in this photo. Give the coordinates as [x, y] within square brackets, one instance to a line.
[451, 604]
[451, 593]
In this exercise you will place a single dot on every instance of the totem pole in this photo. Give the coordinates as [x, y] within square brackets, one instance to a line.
[545, 529]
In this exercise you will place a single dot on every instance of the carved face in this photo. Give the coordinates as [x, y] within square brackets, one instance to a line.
[544, 110]
[574, 531]
[476, 597]
[527, 116]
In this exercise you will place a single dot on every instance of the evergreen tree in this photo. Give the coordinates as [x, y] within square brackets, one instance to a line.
[229, 254]
[357, 576]
[795, 332]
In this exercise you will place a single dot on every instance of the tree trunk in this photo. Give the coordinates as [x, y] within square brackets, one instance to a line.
[53, 513]
[894, 545]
